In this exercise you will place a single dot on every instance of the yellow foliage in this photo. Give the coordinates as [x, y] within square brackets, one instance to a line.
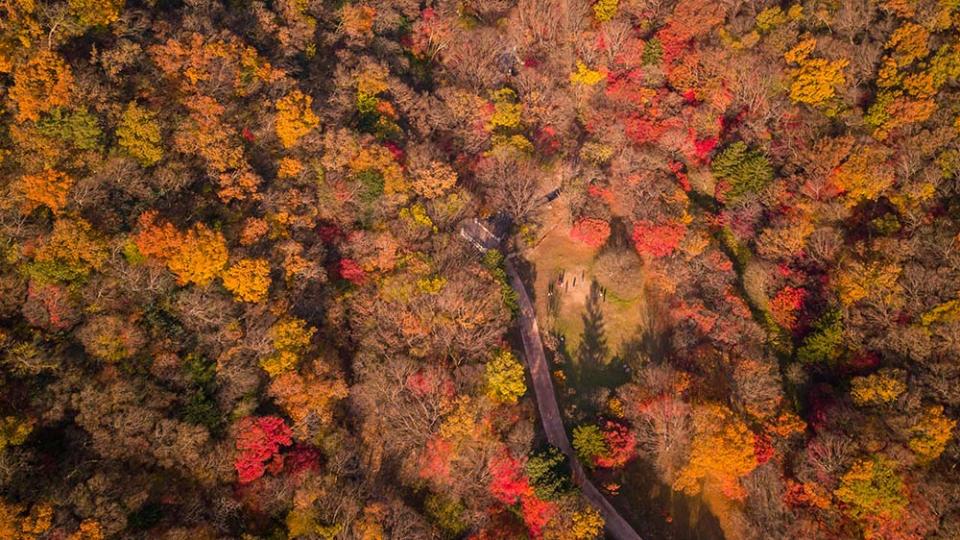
[248, 280]
[864, 175]
[96, 12]
[139, 135]
[586, 525]
[801, 51]
[604, 10]
[295, 118]
[372, 80]
[505, 378]
[883, 386]
[931, 433]
[14, 431]
[948, 311]
[200, 257]
[42, 84]
[291, 337]
[48, 188]
[71, 251]
[507, 110]
[858, 281]
[721, 452]
[461, 423]
[586, 76]
[816, 80]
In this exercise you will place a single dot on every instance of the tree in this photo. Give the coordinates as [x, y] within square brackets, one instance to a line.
[49, 188]
[41, 85]
[657, 240]
[291, 338]
[199, 257]
[505, 377]
[548, 473]
[604, 10]
[746, 171]
[248, 280]
[882, 387]
[96, 12]
[295, 118]
[871, 488]
[70, 253]
[930, 435]
[721, 453]
[590, 443]
[110, 338]
[258, 443]
[591, 231]
[139, 135]
[815, 80]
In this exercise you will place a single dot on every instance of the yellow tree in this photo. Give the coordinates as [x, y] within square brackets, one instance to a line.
[41, 85]
[96, 12]
[929, 436]
[815, 80]
[139, 135]
[71, 252]
[504, 375]
[291, 337]
[881, 387]
[295, 118]
[721, 453]
[248, 280]
[200, 257]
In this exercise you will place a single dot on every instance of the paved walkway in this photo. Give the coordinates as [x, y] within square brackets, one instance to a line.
[536, 361]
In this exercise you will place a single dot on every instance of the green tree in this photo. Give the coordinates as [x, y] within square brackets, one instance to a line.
[589, 443]
[747, 171]
[548, 473]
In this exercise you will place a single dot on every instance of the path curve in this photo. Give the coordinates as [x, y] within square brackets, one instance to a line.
[536, 361]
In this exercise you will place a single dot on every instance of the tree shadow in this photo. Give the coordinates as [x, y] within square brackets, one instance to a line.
[595, 368]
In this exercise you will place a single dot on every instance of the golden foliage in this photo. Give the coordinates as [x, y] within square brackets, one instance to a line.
[908, 43]
[291, 337]
[42, 84]
[89, 530]
[14, 431]
[199, 257]
[864, 175]
[310, 396]
[289, 167]
[96, 12]
[815, 80]
[858, 281]
[295, 118]
[881, 387]
[586, 76]
[71, 252]
[930, 435]
[721, 452]
[48, 188]
[154, 239]
[139, 135]
[248, 280]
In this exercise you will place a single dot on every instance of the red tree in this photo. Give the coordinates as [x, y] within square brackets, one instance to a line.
[258, 441]
[591, 231]
[657, 240]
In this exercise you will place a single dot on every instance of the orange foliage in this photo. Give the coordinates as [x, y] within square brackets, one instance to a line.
[48, 188]
[43, 84]
[721, 453]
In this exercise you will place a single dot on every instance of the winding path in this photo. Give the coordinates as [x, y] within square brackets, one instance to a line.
[536, 361]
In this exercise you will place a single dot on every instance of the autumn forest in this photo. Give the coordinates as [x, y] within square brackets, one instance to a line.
[243, 295]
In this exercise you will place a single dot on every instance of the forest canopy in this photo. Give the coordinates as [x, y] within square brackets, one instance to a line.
[237, 299]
